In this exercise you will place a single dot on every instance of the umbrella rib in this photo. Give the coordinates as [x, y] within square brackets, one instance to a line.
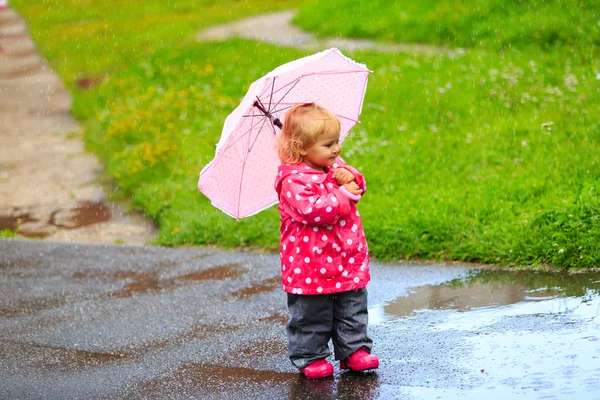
[240, 137]
[271, 97]
[239, 201]
[263, 91]
[294, 82]
[284, 108]
[244, 134]
[335, 72]
[286, 93]
[256, 138]
[291, 104]
[244, 164]
[348, 118]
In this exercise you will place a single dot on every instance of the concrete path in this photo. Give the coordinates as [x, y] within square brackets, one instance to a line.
[276, 28]
[49, 185]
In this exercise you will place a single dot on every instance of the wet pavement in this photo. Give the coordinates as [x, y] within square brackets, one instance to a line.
[105, 321]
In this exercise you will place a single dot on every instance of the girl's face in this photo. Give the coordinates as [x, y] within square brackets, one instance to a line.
[323, 152]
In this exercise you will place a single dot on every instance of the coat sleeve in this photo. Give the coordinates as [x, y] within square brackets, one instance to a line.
[358, 177]
[312, 207]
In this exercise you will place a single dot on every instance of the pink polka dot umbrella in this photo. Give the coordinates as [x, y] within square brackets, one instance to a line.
[240, 179]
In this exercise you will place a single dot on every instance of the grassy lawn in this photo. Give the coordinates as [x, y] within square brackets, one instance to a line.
[94, 38]
[491, 24]
[490, 156]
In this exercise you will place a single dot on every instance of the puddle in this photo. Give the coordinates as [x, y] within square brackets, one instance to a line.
[28, 307]
[29, 224]
[210, 381]
[198, 332]
[267, 285]
[280, 319]
[517, 334]
[492, 289]
[64, 359]
[215, 381]
[258, 348]
[219, 273]
[145, 282]
[12, 221]
[86, 213]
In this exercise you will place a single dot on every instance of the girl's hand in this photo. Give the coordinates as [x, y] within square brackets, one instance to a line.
[343, 176]
[353, 188]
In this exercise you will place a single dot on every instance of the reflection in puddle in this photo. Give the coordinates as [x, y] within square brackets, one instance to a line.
[348, 385]
[216, 381]
[489, 289]
[517, 335]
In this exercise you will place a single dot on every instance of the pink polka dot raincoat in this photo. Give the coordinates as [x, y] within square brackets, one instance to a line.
[323, 245]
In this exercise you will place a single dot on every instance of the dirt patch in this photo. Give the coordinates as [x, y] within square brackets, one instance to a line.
[88, 82]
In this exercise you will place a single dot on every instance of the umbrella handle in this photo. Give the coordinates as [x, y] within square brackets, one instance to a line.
[275, 121]
[355, 197]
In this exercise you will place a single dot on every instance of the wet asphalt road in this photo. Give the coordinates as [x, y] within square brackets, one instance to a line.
[97, 321]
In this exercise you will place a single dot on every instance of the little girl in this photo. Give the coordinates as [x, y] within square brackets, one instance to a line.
[324, 254]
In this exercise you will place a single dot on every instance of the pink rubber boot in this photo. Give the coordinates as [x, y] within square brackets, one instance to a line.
[318, 369]
[360, 361]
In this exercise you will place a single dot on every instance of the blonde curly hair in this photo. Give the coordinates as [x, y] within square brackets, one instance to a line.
[303, 124]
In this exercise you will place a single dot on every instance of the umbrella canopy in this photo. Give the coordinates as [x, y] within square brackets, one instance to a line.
[240, 178]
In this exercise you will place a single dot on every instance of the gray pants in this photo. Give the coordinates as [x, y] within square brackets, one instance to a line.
[314, 319]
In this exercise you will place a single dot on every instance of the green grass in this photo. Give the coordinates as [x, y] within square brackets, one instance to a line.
[493, 24]
[503, 165]
[7, 233]
[492, 156]
[93, 38]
